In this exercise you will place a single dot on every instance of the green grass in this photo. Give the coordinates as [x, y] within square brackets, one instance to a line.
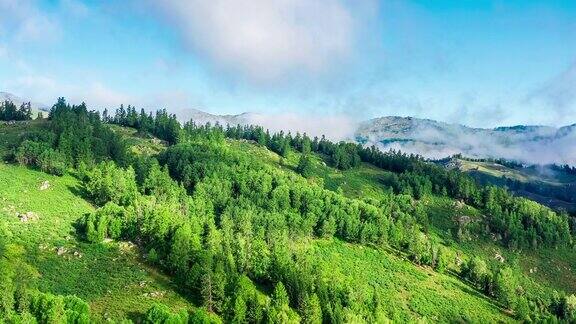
[139, 143]
[493, 169]
[555, 268]
[411, 293]
[111, 277]
[361, 182]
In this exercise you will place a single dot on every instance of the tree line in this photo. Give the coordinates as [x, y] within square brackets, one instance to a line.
[73, 138]
[517, 222]
[9, 111]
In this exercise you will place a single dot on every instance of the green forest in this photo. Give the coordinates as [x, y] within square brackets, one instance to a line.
[247, 226]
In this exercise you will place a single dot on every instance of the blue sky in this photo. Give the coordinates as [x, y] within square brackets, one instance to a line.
[481, 63]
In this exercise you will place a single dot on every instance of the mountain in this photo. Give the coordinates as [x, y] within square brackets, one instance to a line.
[201, 117]
[433, 139]
[429, 138]
[6, 96]
[209, 230]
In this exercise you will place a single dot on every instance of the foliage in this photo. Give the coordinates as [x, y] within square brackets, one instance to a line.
[106, 222]
[304, 166]
[106, 182]
[110, 277]
[235, 232]
[8, 111]
[19, 302]
[161, 314]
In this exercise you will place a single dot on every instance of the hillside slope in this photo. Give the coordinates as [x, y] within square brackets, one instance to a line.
[545, 267]
[118, 283]
[111, 277]
[548, 185]
[242, 225]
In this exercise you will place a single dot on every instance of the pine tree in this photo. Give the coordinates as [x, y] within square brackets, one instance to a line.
[311, 310]
[304, 166]
[181, 249]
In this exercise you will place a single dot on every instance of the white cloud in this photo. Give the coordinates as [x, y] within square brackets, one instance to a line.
[23, 21]
[334, 127]
[33, 87]
[540, 145]
[268, 40]
[46, 89]
[99, 96]
[558, 95]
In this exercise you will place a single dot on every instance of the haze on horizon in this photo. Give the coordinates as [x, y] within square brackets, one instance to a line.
[478, 63]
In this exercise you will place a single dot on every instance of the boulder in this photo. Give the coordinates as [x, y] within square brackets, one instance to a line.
[45, 185]
[27, 217]
[61, 250]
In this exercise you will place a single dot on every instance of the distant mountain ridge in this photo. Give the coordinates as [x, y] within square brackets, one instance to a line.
[201, 117]
[434, 139]
[530, 144]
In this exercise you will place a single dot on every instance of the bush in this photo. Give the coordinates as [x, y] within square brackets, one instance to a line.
[40, 155]
[200, 316]
[161, 314]
[442, 260]
[51, 161]
[107, 221]
[304, 166]
[106, 182]
[28, 153]
[77, 310]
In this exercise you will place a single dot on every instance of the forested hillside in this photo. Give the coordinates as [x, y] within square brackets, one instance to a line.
[151, 221]
[551, 185]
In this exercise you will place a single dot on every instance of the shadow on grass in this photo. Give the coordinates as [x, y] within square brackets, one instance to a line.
[79, 191]
[469, 288]
[135, 317]
[166, 280]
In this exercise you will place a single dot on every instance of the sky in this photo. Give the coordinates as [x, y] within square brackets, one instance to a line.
[480, 63]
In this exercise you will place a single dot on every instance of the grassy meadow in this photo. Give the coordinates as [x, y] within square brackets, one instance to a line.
[110, 276]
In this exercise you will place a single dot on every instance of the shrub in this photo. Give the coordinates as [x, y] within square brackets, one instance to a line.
[106, 182]
[107, 221]
[51, 161]
[28, 153]
[161, 314]
[304, 166]
[40, 155]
